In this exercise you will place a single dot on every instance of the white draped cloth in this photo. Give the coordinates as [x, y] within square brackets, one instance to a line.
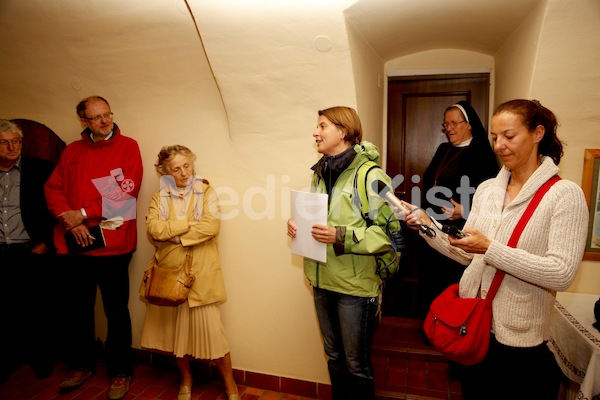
[575, 342]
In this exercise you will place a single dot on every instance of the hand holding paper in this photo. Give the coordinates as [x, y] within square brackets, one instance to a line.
[308, 209]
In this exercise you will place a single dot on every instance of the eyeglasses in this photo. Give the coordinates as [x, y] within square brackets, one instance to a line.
[452, 124]
[14, 142]
[98, 117]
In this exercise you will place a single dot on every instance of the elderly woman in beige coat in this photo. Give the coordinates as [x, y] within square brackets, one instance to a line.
[184, 215]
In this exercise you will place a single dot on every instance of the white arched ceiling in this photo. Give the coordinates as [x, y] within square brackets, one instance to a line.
[396, 28]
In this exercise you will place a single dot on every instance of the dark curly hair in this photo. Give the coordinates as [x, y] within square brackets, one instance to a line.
[534, 114]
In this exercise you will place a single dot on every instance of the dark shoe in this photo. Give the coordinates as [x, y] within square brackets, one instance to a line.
[119, 387]
[6, 371]
[74, 380]
[43, 369]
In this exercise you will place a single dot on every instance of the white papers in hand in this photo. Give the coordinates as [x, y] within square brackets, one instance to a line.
[308, 209]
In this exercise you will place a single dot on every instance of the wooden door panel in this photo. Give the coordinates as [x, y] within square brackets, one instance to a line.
[40, 141]
[423, 134]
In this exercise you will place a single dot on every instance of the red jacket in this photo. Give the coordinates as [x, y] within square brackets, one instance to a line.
[114, 166]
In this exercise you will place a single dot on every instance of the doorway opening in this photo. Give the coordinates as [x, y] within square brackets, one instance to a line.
[415, 110]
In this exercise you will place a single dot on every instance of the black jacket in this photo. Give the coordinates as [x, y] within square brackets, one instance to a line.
[37, 219]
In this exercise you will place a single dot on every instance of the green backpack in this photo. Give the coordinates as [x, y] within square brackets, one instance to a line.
[388, 263]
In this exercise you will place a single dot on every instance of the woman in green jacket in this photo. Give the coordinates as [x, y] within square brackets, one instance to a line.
[346, 288]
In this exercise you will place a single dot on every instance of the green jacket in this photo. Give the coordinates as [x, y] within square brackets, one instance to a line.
[352, 270]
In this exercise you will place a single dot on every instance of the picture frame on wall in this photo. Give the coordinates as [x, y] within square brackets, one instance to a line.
[591, 166]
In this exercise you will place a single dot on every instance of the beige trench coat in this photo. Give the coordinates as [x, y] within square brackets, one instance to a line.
[209, 286]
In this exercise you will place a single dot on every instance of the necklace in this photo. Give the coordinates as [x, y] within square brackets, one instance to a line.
[443, 166]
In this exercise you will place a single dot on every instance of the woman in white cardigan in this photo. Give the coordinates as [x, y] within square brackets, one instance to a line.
[519, 364]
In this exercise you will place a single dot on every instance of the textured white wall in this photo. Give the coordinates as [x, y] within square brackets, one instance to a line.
[566, 79]
[275, 64]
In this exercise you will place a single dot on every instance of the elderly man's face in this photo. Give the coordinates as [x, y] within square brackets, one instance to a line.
[10, 148]
[98, 119]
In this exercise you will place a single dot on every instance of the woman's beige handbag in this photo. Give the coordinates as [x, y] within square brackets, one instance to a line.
[168, 286]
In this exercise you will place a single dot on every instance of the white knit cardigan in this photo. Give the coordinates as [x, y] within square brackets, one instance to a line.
[545, 260]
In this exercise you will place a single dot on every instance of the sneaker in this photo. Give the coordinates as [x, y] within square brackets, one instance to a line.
[74, 380]
[119, 387]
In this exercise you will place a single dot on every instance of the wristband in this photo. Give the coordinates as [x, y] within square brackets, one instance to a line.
[82, 210]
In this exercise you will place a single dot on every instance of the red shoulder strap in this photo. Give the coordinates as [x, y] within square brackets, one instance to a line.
[514, 238]
[512, 242]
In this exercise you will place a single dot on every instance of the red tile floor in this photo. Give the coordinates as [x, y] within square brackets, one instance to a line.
[147, 383]
[405, 368]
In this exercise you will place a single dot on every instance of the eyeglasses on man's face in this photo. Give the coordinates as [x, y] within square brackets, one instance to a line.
[452, 124]
[98, 117]
[14, 142]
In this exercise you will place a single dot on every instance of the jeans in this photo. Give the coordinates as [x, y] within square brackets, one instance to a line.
[347, 325]
[83, 275]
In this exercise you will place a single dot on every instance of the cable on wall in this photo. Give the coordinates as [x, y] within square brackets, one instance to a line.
[209, 64]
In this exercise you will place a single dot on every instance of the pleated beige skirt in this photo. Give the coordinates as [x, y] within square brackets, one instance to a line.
[181, 330]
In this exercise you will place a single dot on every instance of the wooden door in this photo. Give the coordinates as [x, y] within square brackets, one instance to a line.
[415, 114]
[40, 141]
[416, 108]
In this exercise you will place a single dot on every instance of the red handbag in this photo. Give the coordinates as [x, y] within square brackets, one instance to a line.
[459, 328]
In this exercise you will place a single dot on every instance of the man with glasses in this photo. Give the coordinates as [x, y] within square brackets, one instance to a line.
[96, 182]
[25, 252]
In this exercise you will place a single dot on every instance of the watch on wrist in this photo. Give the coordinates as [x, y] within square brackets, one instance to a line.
[82, 210]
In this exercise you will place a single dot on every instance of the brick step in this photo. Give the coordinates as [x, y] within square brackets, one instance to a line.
[399, 337]
[404, 322]
[406, 366]
[386, 395]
